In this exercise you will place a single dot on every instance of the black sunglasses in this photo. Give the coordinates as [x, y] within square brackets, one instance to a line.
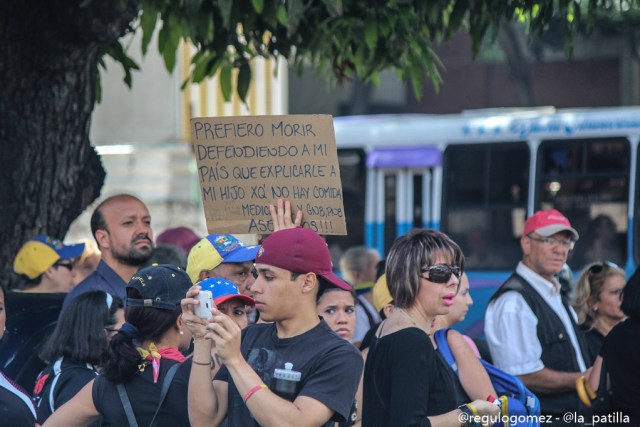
[441, 273]
[67, 266]
[597, 268]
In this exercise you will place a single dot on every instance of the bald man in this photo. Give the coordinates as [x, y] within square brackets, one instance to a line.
[121, 226]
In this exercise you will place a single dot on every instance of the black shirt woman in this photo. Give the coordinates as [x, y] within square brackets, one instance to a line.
[139, 359]
[406, 383]
[620, 358]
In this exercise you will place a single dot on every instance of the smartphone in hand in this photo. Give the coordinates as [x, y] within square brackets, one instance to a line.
[203, 310]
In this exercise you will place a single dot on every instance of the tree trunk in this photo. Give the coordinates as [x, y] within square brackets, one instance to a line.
[50, 173]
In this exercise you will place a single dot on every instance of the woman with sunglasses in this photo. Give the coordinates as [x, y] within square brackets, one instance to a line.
[76, 349]
[406, 383]
[597, 300]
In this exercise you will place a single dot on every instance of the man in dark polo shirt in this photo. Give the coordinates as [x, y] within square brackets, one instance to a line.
[121, 226]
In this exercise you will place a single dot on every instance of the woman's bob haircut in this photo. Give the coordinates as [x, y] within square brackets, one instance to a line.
[413, 252]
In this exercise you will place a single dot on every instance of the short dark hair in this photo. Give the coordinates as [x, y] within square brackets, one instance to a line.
[97, 218]
[323, 284]
[80, 333]
[631, 296]
[334, 289]
[412, 252]
[30, 283]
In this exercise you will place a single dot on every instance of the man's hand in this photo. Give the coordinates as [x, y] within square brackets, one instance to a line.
[196, 325]
[281, 216]
[226, 334]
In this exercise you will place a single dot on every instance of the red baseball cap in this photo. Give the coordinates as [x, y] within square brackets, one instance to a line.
[547, 223]
[300, 250]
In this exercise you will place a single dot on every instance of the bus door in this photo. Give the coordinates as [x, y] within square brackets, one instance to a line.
[402, 184]
[484, 204]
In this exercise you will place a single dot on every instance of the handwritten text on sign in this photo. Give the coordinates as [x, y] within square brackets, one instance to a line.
[247, 163]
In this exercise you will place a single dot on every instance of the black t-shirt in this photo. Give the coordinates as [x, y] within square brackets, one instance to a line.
[621, 354]
[144, 395]
[594, 340]
[16, 408]
[405, 381]
[330, 368]
[62, 380]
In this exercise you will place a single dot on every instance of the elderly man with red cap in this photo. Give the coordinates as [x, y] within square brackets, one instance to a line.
[294, 371]
[530, 327]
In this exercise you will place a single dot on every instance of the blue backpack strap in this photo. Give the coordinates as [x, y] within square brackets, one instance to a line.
[443, 347]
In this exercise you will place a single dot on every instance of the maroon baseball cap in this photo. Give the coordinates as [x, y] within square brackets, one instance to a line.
[300, 250]
[183, 237]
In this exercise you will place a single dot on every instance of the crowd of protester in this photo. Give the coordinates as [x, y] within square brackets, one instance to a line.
[287, 341]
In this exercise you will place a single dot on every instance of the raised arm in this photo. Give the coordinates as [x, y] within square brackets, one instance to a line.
[281, 216]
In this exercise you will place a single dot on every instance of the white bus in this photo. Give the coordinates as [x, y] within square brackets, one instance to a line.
[478, 175]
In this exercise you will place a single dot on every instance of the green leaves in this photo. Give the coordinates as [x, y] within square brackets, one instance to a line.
[225, 81]
[258, 5]
[168, 41]
[371, 33]
[341, 39]
[148, 21]
[244, 81]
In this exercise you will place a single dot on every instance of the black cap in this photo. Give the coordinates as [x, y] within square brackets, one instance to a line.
[161, 286]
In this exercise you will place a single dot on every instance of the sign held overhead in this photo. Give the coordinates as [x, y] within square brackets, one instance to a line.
[247, 163]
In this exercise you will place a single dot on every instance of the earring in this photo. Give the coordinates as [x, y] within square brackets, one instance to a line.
[181, 332]
[594, 308]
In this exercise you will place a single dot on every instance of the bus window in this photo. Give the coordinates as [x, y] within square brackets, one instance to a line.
[588, 181]
[353, 178]
[484, 201]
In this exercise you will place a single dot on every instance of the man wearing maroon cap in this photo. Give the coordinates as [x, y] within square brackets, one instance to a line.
[292, 372]
[530, 327]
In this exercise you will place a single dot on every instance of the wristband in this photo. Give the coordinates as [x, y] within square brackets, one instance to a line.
[252, 392]
[476, 414]
[495, 401]
[200, 363]
[470, 419]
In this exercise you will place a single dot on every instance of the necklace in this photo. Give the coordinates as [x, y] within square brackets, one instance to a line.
[412, 321]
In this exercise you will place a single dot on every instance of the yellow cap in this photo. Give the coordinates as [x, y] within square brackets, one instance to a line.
[381, 295]
[215, 249]
[40, 253]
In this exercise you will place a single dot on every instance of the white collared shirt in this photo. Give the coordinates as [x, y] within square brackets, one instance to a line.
[511, 327]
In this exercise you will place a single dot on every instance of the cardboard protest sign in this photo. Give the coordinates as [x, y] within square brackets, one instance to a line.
[247, 163]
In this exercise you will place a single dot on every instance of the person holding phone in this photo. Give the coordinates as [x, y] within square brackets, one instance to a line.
[293, 371]
[143, 379]
[226, 298]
